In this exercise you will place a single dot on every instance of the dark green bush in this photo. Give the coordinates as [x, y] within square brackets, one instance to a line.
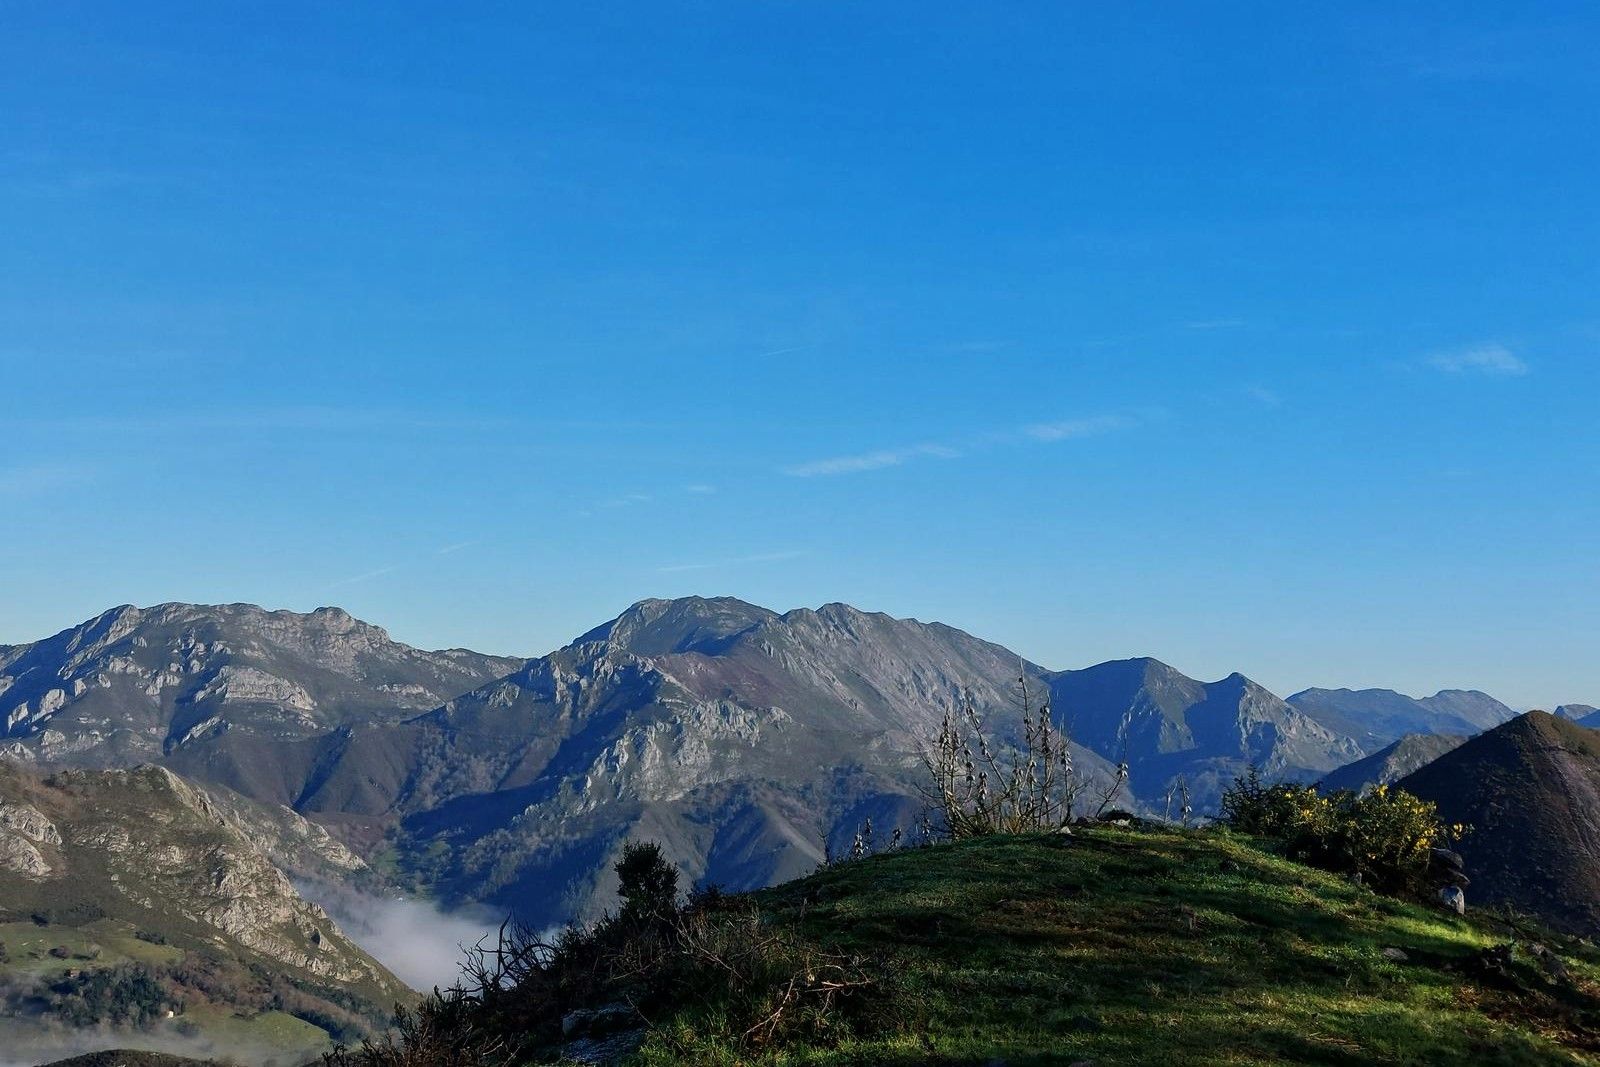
[646, 882]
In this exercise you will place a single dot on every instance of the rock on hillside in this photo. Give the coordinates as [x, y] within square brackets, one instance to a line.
[1389, 765]
[133, 684]
[1530, 790]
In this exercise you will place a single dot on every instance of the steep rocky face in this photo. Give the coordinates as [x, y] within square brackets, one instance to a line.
[133, 684]
[145, 847]
[1167, 726]
[1376, 718]
[1388, 765]
[1530, 790]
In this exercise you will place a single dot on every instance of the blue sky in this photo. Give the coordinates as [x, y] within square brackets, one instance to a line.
[1250, 336]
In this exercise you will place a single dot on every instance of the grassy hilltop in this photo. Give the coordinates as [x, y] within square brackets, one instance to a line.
[1160, 947]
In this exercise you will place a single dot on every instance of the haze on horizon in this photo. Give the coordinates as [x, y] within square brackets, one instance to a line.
[1260, 340]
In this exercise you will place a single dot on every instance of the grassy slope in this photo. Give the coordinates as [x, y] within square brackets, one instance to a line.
[1054, 950]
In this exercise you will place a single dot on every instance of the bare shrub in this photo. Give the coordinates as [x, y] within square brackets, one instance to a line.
[980, 788]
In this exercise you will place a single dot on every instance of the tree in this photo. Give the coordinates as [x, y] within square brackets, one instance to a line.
[646, 882]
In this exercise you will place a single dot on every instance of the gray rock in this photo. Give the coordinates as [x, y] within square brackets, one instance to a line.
[1453, 898]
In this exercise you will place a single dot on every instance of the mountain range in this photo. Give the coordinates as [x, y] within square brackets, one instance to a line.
[1375, 718]
[750, 743]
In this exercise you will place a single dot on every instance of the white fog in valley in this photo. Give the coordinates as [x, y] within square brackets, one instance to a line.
[420, 942]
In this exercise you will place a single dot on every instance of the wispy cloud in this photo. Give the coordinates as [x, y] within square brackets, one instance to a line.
[737, 561]
[700, 489]
[870, 461]
[364, 577]
[450, 550]
[307, 419]
[1491, 359]
[1035, 433]
[1072, 429]
[626, 500]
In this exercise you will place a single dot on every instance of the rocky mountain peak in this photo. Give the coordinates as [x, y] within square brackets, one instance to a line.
[657, 627]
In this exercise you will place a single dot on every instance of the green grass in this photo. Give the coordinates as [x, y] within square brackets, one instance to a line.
[104, 943]
[273, 1034]
[1157, 947]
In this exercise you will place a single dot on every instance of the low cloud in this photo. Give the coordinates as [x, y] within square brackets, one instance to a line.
[421, 943]
[30, 1041]
[1491, 359]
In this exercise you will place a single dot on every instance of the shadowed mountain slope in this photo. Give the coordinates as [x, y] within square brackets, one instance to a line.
[1530, 789]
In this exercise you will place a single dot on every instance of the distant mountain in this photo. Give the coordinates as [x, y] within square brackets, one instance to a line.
[134, 684]
[1530, 789]
[1378, 717]
[1167, 725]
[1583, 714]
[1389, 765]
[139, 869]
